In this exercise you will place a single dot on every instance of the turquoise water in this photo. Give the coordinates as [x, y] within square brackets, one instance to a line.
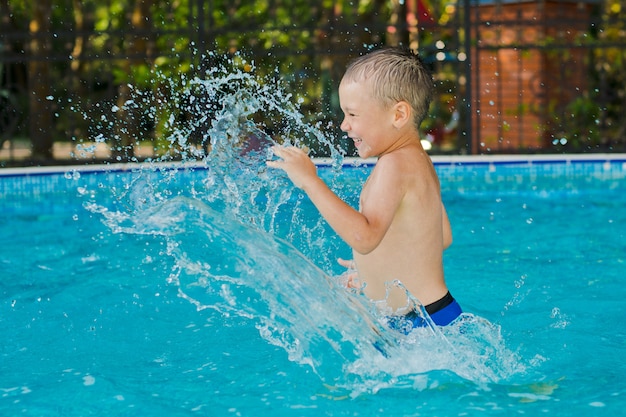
[212, 291]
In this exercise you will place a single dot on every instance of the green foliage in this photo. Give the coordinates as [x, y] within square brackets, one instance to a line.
[580, 123]
[306, 44]
[595, 119]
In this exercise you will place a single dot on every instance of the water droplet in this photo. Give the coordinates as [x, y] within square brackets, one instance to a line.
[88, 380]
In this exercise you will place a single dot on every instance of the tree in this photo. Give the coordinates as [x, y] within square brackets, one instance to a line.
[40, 115]
[136, 43]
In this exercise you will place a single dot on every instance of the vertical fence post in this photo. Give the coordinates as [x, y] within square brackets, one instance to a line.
[468, 132]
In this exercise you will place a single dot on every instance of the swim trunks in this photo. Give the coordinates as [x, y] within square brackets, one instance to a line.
[442, 312]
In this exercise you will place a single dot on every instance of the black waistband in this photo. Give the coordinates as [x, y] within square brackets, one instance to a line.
[440, 304]
[432, 308]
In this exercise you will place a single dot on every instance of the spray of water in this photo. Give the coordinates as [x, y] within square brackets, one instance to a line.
[244, 243]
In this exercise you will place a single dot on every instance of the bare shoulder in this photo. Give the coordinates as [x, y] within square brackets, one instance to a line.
[391, 170]
[407, 162]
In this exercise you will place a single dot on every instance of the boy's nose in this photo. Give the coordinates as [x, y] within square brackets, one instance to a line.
[344, 126]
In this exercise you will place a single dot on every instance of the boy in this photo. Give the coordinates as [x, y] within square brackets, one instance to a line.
[401, 229]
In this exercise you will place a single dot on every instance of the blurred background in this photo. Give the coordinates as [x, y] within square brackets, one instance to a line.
[523, 76]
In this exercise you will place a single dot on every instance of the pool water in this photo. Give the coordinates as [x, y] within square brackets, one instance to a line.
[167, 291]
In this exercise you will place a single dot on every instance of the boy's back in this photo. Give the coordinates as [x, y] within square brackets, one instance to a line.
[411, 250]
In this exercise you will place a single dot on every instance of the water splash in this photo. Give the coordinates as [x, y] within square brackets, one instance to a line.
[243, 242]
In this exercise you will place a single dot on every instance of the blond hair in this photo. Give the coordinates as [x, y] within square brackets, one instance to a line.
[395, 75]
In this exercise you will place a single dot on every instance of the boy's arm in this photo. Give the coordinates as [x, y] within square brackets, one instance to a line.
[362, 231]
[447, 230]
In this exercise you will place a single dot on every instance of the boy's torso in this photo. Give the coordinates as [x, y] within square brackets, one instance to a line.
[411, 250]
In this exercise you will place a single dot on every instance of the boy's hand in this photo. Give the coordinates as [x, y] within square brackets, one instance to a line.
[348, 264]
[350, 278]
[295, 162]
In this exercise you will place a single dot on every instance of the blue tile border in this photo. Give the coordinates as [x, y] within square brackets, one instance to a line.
[454, 160]
[456, 173]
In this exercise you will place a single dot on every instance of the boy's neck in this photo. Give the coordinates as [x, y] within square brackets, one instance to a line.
[407, 139]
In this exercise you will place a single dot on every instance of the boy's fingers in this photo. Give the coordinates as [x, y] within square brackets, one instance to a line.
[346, 263]
[283, 150]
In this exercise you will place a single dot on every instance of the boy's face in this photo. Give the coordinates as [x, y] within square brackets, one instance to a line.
[366, 121]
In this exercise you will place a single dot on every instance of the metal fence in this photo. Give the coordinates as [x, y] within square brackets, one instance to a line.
[527, 76]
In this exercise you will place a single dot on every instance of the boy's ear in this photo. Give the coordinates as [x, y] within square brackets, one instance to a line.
[402, 113]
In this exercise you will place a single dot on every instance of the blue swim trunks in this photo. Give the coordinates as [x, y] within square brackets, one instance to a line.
[442, 312]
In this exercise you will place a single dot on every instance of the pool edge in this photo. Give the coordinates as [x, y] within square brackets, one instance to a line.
[440, 160]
